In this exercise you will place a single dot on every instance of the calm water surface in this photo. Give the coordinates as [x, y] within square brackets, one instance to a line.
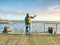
[37, 26]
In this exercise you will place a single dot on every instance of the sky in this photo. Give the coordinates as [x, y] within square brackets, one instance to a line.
[45, 10]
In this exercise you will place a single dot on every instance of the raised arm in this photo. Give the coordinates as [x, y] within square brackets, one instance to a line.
[33, 16]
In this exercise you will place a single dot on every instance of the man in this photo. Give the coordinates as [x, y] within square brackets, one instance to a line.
[28, 23]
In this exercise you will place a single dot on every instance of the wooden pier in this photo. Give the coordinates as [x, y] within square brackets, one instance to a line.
[33, 39]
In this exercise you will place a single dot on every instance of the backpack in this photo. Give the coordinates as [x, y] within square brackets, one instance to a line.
[28, 20]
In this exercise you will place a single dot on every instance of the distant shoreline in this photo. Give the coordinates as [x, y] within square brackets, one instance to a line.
[10, 20]
[49, 22]
[23, 20]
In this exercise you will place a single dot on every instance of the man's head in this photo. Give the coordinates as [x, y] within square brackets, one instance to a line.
[27, 15]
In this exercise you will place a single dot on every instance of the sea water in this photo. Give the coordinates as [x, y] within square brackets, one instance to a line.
[37, 26]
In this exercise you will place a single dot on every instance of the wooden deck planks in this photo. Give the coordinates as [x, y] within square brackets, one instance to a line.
[29, 39]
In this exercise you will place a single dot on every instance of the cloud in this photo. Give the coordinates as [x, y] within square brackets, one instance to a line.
[19, 4]
[53, 10]
[35, 12]
[38, 12]
[10, 11]
[52, 13]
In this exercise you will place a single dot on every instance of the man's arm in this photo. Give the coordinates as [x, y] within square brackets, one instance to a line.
[33, 16]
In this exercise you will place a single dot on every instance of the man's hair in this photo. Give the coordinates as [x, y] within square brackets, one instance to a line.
[27, 14]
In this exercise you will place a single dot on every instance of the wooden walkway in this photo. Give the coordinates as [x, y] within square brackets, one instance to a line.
[33, 39]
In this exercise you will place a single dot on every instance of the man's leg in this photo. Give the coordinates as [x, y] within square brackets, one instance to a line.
[26, 29]
[29, 29]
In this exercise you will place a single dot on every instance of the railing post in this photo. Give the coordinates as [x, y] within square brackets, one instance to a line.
[56, 28]
[44, 27]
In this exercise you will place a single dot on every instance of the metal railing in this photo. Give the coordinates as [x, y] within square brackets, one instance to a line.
[36, 27]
